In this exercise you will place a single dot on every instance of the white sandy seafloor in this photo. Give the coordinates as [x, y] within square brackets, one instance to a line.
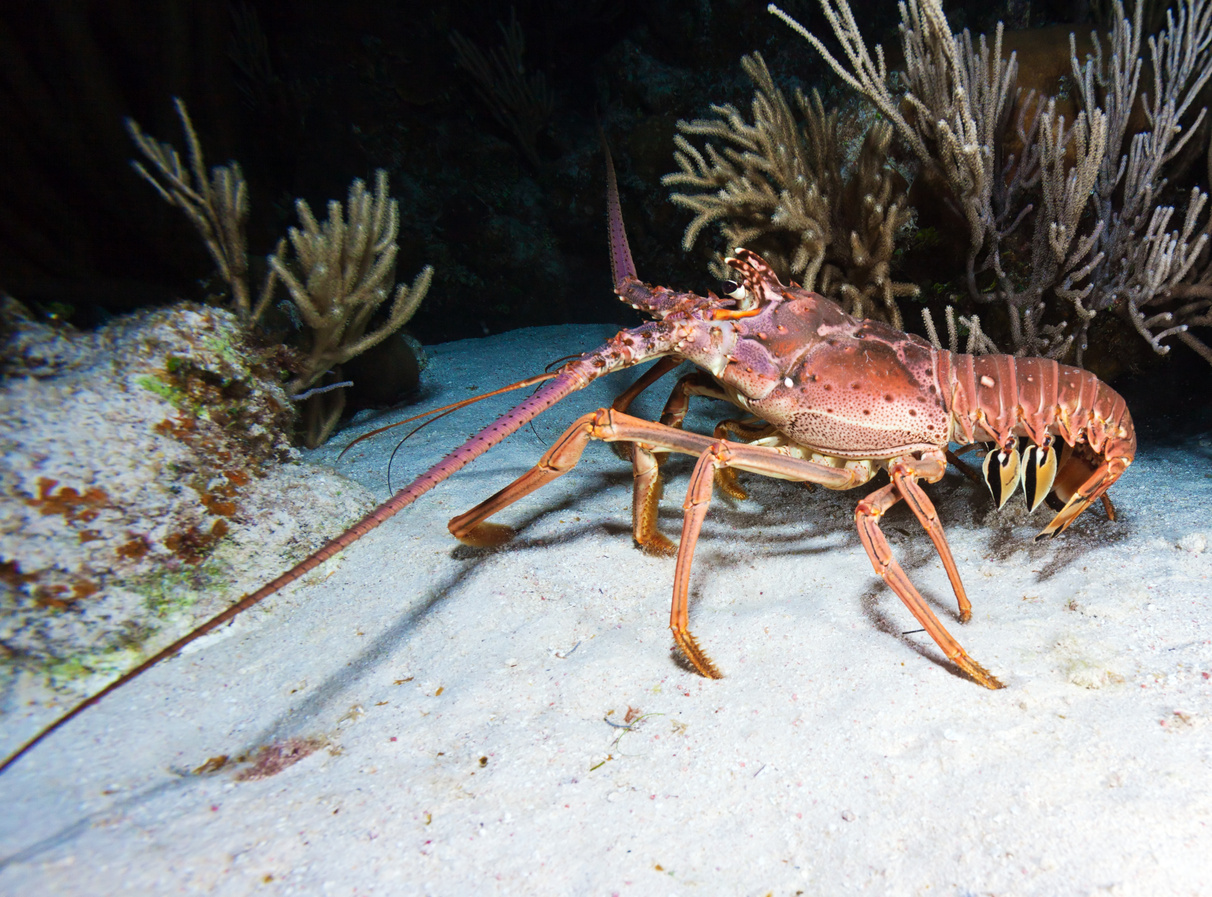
[469, 702]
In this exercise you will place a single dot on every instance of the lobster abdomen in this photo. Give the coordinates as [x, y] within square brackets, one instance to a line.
[994, 398]
[1000, 399]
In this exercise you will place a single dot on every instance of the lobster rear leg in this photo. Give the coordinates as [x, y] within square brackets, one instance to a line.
[867, 516]
[1054, 502]
[923, 509]
[1092, 488]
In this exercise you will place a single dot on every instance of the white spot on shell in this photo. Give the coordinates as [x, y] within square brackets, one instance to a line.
[987, 381]
[787, 382]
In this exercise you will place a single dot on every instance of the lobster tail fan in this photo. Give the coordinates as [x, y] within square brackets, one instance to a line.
[1001, 472]
[1040, 464]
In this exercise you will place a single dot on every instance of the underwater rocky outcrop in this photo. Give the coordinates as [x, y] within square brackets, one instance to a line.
[142, 482]
[340, 272]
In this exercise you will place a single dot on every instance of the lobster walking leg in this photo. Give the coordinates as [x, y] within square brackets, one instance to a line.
[1094, 487]
[604, 424]
[923, 509]
[646, 468]
[563, 455]
[698, 497]
[867, 516]
[645, 463]
[725, 477]
[611, 426]
[718, 457]
[645, 503]
[678, 404]
[663, 366]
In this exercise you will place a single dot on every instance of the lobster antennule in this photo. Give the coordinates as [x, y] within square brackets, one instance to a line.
[435, 413]
[575, 376]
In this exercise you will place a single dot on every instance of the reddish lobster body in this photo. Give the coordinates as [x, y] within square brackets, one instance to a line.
[858, 389]
[844, 387]
[861, 389]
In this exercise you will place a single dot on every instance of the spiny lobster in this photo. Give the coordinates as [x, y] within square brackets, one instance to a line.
[836, 399]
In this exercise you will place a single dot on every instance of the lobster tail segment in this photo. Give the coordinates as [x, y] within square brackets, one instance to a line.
[1100, 438]
[1074, 432]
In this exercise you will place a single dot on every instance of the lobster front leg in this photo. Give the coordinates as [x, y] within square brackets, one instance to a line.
[472, 528]
[698, 497]
[645, 462]
[646, 502]
[867, 516]
[611, 426]
[606, 425]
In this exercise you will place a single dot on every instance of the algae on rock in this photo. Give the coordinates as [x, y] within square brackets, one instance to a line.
[140, 474]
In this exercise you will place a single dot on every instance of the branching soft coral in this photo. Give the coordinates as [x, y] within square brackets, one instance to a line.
[1064, 221]
[777, 186]
[217, 206]
[342, 271]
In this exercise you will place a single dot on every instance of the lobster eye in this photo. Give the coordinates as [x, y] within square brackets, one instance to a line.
[735, 290]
